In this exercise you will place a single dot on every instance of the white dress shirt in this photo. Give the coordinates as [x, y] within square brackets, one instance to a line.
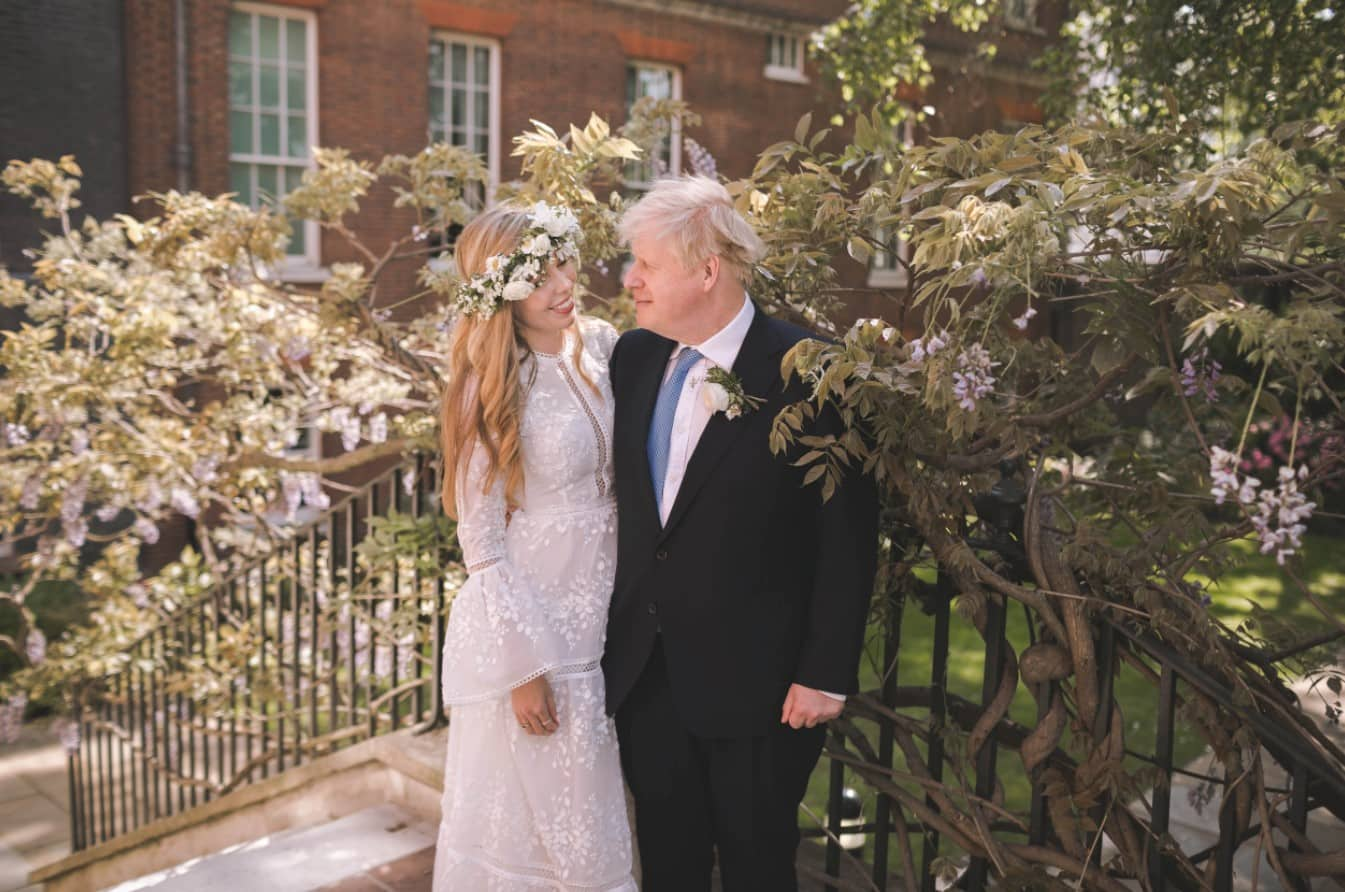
[692, 415]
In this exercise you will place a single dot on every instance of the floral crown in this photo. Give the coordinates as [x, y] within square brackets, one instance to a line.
[552, 232]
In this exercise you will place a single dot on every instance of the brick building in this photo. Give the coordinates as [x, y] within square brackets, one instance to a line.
[229, 95]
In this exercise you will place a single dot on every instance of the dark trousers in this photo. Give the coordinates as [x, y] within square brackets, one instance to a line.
[696, 796]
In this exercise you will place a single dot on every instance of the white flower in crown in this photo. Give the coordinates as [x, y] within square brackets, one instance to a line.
[723, 392]
[552, 232]
[518, 290]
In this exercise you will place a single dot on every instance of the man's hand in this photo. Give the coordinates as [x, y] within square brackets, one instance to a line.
[808, 707]
[535, 707]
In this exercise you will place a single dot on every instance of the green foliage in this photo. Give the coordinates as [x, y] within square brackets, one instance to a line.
[877, 46]
[1219, 73]
[163, 370]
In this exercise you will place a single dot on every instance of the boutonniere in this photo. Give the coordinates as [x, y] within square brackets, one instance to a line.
[723, 392]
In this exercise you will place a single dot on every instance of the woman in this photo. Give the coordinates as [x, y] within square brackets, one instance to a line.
[533, 797]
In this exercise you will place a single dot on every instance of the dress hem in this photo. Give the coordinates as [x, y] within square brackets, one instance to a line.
[542, 877]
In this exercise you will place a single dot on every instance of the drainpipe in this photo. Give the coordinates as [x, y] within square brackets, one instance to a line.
[182, 153]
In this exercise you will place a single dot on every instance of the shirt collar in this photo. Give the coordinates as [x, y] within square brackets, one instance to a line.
[722, 347]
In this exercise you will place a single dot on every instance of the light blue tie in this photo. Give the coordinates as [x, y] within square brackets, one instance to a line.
[660, 429]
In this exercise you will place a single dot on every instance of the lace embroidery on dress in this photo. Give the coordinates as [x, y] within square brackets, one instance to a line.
[598, 434]
[522, 812]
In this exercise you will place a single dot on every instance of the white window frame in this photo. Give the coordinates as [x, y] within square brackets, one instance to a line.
[790, 73]
[675, 135]
[882, 272]
[1023, 23]
[306, 267]
[493, 98]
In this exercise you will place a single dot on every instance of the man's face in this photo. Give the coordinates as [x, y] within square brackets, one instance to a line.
[668, 297]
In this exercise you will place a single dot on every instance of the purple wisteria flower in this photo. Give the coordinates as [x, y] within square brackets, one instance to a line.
[1020, 322]
[923, 348]
[314, 495]
[699, 158]
[974, 378]
[76, 532]
[1281, 514]
[378, 428]
[72, 503]
[36, 646]
[16, 434]
[11, 717]
[184, 502]
[291, 488]
[348, 424]
[67, 731]
[32, 494]
[1199, 375]
[147, 530]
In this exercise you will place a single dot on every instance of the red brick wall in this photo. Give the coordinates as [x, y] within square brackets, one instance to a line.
[560, 60]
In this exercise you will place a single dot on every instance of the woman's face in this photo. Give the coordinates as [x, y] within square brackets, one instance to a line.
[551, 306]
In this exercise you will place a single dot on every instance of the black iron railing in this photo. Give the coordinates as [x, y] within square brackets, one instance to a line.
[331, 658]
[322, 679]
[861, 753]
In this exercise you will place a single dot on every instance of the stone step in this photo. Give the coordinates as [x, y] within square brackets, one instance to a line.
[341, 853]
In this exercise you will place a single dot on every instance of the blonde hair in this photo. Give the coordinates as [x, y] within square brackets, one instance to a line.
[697, 215]
[482, 401]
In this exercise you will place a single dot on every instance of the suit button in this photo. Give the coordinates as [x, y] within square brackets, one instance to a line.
[661, 554]
[653, 609]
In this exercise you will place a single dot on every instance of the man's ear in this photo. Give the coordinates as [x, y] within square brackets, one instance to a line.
[710, 272]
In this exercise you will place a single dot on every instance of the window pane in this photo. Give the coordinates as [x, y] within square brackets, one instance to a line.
[459, 111]
[482, 146]
[266, 184]
[436, 60]
[298, 137]
[240, 181]
[268, 37]
[269, 134]
[268, 86]
[632, 77]
[482, 111]
[458, 57]
[294, 178]
[240, 83]
[482, 66]
[436, 107]
[654, 82]
[296, 96]
[240, 34]
[240, 132]
[296, 48]
[298, 242]
[457, 138]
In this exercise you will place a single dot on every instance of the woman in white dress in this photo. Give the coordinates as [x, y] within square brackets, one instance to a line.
[533, 797]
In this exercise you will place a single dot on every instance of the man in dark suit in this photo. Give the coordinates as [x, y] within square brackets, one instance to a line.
[740, 599]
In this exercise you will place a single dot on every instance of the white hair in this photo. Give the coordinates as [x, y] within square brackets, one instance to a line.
[697, 215]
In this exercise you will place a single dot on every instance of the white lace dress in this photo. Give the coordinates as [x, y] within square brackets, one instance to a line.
[523, 813]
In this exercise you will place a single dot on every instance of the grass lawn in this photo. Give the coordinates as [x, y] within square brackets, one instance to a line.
[1255, 591]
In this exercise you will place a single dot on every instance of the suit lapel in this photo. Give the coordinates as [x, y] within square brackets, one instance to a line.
[757, 369]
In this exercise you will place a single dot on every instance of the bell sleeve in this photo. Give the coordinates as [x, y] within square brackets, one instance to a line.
[499, 636]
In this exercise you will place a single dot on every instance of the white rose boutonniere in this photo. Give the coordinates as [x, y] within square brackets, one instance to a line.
[723, 392]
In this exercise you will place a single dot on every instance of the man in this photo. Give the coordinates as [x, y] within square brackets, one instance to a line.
[740, 596]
